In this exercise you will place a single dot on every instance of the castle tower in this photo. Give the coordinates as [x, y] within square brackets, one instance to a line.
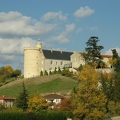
[32, 60]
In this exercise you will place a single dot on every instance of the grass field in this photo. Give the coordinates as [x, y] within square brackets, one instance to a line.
[42, 85]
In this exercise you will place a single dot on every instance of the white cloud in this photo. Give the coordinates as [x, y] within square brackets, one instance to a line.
[83, 12]
[15, 24]
[70, 27]
[109, 52]
[79, 30]
[54, 15]
[94, 28]
[15, 46]
[63, 37]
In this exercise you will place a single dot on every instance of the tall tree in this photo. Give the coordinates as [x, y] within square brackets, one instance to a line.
[115, 57]
[93, 54]
[22, 99]
[88, 101]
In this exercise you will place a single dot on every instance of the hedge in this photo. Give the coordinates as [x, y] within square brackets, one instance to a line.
[51, 115]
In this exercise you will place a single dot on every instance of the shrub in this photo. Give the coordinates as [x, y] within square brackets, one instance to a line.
[42, 115]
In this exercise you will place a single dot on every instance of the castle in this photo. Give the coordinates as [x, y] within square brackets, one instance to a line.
[37, 59]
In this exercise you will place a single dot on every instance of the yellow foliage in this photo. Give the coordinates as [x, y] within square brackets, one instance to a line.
[37, 103]
[111, 61]
[88, 101]
[9, 69]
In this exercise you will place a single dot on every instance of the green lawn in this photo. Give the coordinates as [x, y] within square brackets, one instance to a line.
[44, 84]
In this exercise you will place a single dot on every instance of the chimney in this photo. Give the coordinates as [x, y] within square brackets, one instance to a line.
[51, 50]
[61, 51]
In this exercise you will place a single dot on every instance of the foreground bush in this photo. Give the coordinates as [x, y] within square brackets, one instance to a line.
[52, 115]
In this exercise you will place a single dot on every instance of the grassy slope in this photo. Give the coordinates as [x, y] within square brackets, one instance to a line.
[43, 84]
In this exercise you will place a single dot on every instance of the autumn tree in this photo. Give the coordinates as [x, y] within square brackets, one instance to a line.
[65, 104]
[4, 74]
[22, 99]
[88, 101]
[92, 51]
[37, 103]
[9, 69]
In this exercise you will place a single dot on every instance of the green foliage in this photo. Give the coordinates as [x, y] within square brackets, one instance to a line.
[117, 87]
[93, 51]
[50, 73]
[80, 67]
[41, 73]
[16, 73]
[115, 54]
[52, 115]
[22, 99]
[45, 73]
[2, 107]
[59, 70]
[66, 72]
[55, 70]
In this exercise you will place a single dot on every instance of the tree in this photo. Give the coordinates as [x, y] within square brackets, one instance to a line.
[88, 101]
[41, 73]
[9, 69]
[115, 57]
[117, 87]
[92, 53]
[59, 70]
[37, 102]
[4, 74]
[45, 73]
[22, 99]
[16, 73]
[65, 104]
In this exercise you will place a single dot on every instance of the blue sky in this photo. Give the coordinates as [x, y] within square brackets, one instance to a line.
[60, 24]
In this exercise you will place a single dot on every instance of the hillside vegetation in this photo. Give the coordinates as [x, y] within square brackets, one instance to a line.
[42, 85]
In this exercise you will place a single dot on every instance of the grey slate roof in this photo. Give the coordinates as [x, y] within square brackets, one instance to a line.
[58, 55]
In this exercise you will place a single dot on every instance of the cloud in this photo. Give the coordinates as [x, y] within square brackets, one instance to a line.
[79, 30]
[109, 52]
[83, 12]
[15, 45]
[63, 37]
[54, 15]
[15, 24]
[6, 59]
[94, 28]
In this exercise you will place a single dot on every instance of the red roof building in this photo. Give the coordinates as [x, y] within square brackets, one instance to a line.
[6, 101]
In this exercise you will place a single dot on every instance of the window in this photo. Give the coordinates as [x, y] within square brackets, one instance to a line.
[61, 63]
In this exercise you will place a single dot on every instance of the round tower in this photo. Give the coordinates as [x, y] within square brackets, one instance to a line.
[32, 60]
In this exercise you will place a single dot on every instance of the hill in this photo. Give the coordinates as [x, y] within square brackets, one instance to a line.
[42, 85]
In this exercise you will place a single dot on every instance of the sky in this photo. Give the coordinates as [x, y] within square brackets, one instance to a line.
[60, 24]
